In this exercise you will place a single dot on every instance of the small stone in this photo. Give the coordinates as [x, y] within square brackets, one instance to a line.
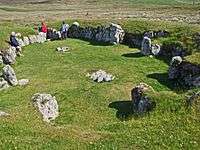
[23, 82]
[3, 114]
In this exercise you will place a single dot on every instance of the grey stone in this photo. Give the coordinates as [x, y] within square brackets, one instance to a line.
[3, 84]
[26, 40]
[146, 46]
[9, 75]
[47, 106]
[155, 49]
[9, 56]
[32, 39]
[101, 76]
[41, 37]
[23, 82]
[21, 42]
[1, 59]
[141, 102]
[63, 49]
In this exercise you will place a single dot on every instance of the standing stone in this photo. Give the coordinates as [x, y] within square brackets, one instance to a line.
[21, 42]
[3, 84]
[47, 106]
[146, 46]
[141, 102]
[26, 40]
[1, 59]
[155, 49]
[32, 39]
[9, 75]
[9, 56]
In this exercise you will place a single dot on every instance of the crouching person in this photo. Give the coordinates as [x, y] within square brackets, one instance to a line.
[63, 30]
[15, 43]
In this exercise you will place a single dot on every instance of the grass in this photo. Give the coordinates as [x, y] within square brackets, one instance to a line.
[94, 116]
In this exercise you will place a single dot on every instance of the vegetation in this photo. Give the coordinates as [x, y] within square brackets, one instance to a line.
[96, 116]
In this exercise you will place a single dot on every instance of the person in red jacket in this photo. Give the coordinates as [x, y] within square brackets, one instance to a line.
[44, 28]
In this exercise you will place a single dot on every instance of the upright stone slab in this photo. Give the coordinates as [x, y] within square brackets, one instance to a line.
[9, 56]
[26, 40]
[32, 39]
[146, 46]
[9, 75]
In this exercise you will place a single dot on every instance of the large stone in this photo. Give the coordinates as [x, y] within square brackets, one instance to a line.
[141, 102]
[184, 73]
[26, 40]
[32, 39]
[3, 84]
[1, 59]
[155, 49]
[146, 46]
[9, 56]
[133, 40]
[47, 106]
[9, 75]
[21, 42]
[41, 37]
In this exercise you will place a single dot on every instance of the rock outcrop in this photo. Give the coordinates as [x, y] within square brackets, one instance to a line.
[47, 106]
[184, 73]
[141, 102]
[9, 75]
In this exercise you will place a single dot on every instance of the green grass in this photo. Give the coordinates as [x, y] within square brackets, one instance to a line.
[86, 121]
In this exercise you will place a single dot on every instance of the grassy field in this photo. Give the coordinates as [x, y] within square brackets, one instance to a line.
[95, 116]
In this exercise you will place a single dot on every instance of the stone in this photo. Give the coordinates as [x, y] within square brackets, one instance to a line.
[141, 102]
[9, 75]
[63, 49]
[21, 42]
[1, 59]
[146, 46]
[41, 37]
[101, 76]
[3, 84]
[32, 39]
[9, 56]
[26, 40]
[47, 106]
[155, 49]
[133, 40]
[184, 73]
[3, 114]
[23, 82]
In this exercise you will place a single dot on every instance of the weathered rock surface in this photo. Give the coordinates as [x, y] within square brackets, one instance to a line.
[3, 84]
[9, 75]
[184, 73]
[146, 46]
[113, 34]
[21, 42]
[155, 49]
[133, 40]
[9, 56]
[141, 102]
[101, 76]
[47, 106]
[156, 34]
[26, 41]
[41, 37]
[23, 82]
[32, 39]
[1, 59]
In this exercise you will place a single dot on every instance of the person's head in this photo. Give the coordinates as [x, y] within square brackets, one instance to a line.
[63, 22]
[43, 23]
[13, 34]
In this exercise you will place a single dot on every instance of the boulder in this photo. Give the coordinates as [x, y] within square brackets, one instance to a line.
[101, 76]
[133, 40]
[41, 37]
[3, 84]
[1, 59]
[184, 73]
[63, 49]
[47, 106]
[23, 82]
[155, 49]
[26, 40]
[9, 75]
[21, 42]
[32, 39]
[9, 56]
[141, 102]
[146, 46]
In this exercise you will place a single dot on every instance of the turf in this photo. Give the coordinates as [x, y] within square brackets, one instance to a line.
[94, 116]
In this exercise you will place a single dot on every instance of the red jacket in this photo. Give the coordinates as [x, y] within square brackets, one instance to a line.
[44, 28]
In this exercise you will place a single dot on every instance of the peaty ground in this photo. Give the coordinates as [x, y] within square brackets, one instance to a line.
[94, 116]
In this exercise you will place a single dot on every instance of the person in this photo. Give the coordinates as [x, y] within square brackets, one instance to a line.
[44, 28]
[63, 30]
[15, 43]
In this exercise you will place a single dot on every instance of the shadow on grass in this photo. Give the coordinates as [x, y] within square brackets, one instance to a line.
[124, 109]
[95, 43]
[133, 55]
